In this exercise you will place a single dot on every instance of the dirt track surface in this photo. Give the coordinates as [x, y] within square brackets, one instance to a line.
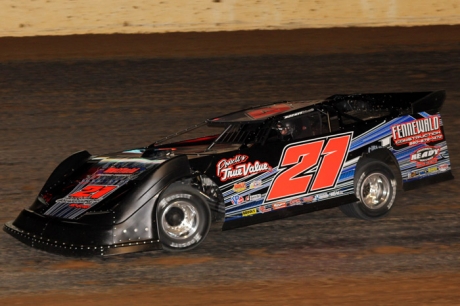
[60, 102]
[237, 43]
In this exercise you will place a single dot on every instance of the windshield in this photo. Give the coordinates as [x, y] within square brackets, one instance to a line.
[236, 133]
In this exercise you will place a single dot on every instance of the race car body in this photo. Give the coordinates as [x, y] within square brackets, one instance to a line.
[263, 163]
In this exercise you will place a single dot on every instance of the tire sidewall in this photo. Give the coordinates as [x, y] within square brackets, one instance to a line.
[190, 195]
[365, 171]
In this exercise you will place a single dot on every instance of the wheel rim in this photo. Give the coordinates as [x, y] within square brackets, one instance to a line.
[180, 220]
[375, 191]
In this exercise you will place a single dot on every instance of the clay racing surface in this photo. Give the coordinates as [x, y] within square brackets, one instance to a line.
[102, 100]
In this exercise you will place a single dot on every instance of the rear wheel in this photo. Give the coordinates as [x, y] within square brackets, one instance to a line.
[375, 187]
[183, 217]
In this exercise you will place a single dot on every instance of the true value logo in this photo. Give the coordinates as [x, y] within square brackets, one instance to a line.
[237, 166]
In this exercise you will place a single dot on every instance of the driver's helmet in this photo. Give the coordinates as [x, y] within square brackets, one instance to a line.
[285, 128]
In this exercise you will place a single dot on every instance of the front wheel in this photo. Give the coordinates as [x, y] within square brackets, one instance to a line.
[183, 217]
[375, 187]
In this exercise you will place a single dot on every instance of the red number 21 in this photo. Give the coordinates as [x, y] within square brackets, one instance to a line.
[298, 163]
[93, 191]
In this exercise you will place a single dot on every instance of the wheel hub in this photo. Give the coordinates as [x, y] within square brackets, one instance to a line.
[375, 191]
[180, 220]
[175, 216]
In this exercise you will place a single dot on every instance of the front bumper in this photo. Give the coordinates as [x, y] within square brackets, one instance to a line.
[72, 238]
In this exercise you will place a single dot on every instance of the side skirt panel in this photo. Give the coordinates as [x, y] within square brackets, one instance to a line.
[288, 212]
[428, 181]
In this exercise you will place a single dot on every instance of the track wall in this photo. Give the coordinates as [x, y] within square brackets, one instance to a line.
[66, 17]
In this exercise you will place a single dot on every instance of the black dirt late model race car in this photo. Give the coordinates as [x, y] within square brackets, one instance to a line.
[264, 163]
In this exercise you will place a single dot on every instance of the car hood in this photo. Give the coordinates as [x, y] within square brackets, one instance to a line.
[99, 179]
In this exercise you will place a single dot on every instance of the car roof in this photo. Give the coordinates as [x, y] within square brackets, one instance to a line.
[262, 112]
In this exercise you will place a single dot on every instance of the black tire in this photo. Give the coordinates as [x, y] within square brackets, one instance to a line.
[183, 217]
[375, 187]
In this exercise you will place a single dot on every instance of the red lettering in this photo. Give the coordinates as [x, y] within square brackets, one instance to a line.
[113, 170]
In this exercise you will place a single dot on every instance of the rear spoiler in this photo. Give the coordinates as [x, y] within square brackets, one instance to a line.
[432, 101]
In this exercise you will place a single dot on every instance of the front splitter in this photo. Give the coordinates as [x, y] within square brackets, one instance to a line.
[81, 250]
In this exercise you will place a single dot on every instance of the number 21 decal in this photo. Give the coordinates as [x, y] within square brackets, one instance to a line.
[93, 191]
[310, 167]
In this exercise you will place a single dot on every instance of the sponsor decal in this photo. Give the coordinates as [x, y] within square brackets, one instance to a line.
[238, 166]
[265, 208]
[279, 205]
[418, 131]
[237, 200]
[255, 184]
[335, 193]
[249, 212]
[321, 196]
[425, 156]
[298, 113]
[79, 206]
[308, 199]
[99, 178]
[443, 167]
[373, 147]
[253, 197]
[295, 202]
[114, 170]
[309, 167]
[427, 171]
[239, 187]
